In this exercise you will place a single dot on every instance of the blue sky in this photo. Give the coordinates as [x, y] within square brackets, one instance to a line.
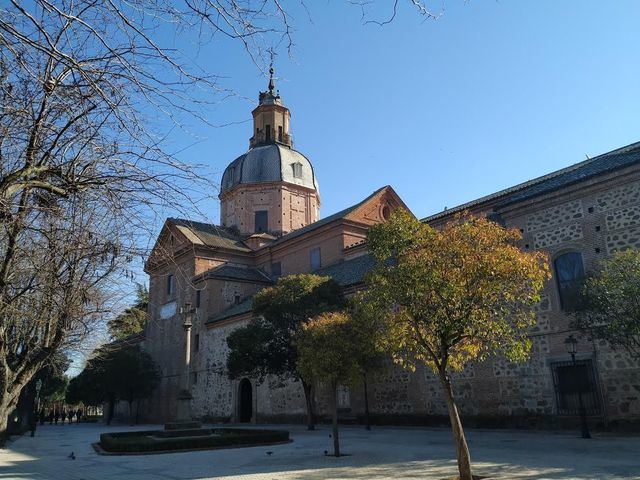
[489, 95]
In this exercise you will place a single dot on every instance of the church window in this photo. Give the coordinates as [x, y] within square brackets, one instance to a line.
[169, 284]
[198, 298]
[261, 221]
[279, 133]
[297, 169]
[315, 258]
[196, 342]
[569, 271]
[276, 269]
[237, 299]
[267, 133]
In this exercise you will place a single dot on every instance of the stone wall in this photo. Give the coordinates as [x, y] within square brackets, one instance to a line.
[213, 392]
[595, 218]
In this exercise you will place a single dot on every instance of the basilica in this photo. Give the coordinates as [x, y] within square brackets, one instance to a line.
[270, 226]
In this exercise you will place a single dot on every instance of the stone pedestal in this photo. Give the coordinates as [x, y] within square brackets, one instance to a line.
[183, 412]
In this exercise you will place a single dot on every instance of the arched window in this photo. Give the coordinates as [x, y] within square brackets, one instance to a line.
[570, 275]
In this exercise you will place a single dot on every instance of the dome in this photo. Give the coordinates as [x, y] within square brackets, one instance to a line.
[269, 163]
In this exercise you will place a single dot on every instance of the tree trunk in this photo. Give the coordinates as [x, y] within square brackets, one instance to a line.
[366, 403]
[462, 449]
[308, 396]
[334, 419]
[8, 403]
[5, 410]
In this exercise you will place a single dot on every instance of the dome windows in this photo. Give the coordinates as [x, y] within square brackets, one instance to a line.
[297, 170]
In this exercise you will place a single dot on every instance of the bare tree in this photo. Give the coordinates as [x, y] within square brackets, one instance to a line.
[83, 166]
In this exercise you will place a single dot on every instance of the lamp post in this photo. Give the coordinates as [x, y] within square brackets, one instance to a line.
[38, 388]
[571, 344]
[184, 397]
[33, 418]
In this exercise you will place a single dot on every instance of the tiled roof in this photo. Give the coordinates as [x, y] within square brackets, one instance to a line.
[607, 162]
[213, 235]
[324, 221]
[269, 163]
[239, 273]
[347, 273]
[238, 309]
[350, 272]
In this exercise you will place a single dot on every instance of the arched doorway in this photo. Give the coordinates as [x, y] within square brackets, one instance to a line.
[245, 401]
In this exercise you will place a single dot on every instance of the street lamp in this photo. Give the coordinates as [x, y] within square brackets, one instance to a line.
[188, 313]
[571, 344]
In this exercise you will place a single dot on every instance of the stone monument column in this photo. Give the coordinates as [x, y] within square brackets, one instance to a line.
[183, 413]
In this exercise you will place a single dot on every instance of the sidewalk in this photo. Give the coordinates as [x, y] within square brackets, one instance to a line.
[384, 453]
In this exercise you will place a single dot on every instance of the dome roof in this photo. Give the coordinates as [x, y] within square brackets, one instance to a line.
[269, 163]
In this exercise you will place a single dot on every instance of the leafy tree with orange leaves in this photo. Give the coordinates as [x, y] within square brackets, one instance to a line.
[327, 349]
[453, 296]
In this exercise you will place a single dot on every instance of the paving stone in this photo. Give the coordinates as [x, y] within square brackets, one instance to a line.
[384, 453]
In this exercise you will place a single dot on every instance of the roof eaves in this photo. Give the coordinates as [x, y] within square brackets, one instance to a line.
[530, 183]
[325, 221]
[241, 308]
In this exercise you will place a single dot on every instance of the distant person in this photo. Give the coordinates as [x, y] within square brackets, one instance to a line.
[50, 417]
[42, 416]
[56, 416]
[64, 416]
[78, 415]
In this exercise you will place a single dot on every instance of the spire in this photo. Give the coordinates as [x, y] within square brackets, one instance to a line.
[270, 117]
[271, 96]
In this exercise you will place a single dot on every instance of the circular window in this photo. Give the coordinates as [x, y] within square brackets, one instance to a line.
[386, 212]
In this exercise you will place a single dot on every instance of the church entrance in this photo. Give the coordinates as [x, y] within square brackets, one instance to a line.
[245, 401]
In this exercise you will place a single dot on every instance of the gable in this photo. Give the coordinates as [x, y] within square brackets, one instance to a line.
[168, 242]
[377, 208]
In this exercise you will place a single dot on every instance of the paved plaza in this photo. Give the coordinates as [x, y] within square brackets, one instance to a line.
[384, 453]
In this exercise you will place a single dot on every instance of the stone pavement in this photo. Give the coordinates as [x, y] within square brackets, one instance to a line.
[384, 453]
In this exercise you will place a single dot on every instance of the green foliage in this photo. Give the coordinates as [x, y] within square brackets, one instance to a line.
[327, 346]
[608, 308]
[132, 320]
[54, 380]
[342, 346]
[85, 388]
[124, 372]
[144, 441]
[265, 346]
[369, 332]
[453, 295]
[337, 348]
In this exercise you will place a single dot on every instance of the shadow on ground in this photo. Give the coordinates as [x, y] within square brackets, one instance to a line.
[384, 453]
